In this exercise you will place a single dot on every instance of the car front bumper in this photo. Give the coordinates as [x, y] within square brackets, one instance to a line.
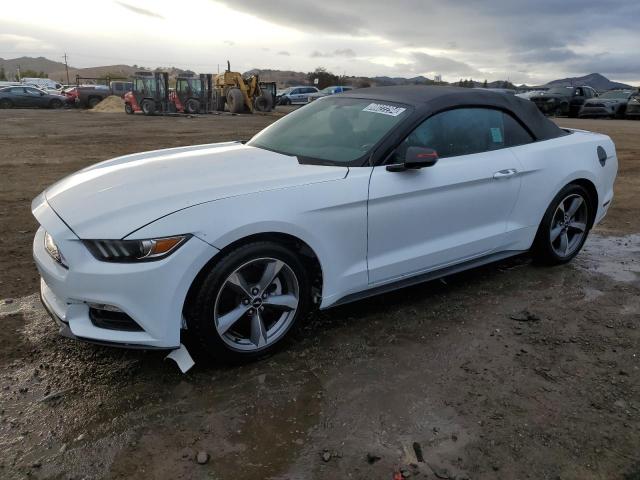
[599, 111]
[151, 294]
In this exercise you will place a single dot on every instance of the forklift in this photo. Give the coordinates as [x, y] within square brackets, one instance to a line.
[150, 94]
[192, 93]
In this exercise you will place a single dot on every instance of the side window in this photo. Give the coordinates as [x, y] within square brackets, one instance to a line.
[464, 131]
[295, 91]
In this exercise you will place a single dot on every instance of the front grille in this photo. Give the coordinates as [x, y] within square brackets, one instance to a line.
[111, 320]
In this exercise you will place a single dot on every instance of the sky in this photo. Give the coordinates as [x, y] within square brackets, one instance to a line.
[522, 41]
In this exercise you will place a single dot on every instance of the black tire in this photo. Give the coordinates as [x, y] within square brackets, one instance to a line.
[93, 102]
[148, 107]
[55, 104]
[6, 103]
[543, 250]
[235, 100]
[285, 101]
[200, 313]
[263, 103]
[128, 109]
[192, 106]
[563, 109]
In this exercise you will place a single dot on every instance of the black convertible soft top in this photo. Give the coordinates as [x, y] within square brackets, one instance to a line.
[428, 100]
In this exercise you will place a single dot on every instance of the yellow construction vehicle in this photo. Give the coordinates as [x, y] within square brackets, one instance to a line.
[240, 94]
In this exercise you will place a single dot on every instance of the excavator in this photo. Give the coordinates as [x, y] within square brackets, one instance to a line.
[240, 94]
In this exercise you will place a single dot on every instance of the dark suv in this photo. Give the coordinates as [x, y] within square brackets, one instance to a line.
[563, 100]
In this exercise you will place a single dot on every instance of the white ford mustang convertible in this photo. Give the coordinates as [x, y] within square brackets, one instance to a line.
[349, 196]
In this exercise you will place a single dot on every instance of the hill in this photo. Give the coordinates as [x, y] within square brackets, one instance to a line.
[39, 64]
[593, 80]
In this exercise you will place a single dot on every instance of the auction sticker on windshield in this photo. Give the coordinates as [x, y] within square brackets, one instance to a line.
[384, 109]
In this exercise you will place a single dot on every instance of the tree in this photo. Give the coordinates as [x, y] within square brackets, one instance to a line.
[3, 75]
[28, 73]
[485, 85]
[325, 78]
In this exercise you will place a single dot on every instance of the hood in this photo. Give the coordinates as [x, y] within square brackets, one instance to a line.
[113, 198]
[605, 101]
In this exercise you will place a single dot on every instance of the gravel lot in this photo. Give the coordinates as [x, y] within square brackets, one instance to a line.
[507, 371]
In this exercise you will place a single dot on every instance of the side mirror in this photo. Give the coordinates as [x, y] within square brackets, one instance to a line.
[415, 158]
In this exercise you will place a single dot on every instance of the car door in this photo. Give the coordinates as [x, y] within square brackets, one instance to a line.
[456, 210]
[18, 96]
[35, 97]
[577, 99]
[294, 96]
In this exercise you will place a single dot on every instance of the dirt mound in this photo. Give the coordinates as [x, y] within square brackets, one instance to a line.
[111, 104]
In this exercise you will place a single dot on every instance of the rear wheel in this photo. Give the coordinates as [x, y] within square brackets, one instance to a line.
[5, 103]
[235, 100]
[192, 106]
[93, 102]
[248, 302]
[263, 103]
[128, 109]
[564, 227]
[148, 107]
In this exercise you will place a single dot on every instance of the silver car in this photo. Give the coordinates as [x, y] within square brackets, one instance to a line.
[294, 95]
[332, 90]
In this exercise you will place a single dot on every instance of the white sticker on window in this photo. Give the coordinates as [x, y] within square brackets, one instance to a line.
[384, 109]
[496, 135]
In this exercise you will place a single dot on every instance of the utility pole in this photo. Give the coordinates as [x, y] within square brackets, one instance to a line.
[18, 71]
[66, 66]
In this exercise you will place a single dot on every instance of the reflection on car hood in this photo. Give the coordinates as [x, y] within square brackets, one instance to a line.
[113, 198]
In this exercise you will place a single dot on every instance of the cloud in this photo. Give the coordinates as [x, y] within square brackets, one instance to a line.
[138, 10]
[284, 53]
[431, 64]
[484, 36]
[341, 52]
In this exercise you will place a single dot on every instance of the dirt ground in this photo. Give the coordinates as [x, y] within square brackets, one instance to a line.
[508, 371]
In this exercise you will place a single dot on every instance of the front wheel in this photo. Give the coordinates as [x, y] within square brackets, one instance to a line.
[5, 103]
[192, 106]
[248, 302]
[128, 109]
[148, 107]
[55, 104]
[564, 227]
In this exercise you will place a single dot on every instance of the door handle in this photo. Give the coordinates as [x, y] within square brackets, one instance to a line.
[509, 172]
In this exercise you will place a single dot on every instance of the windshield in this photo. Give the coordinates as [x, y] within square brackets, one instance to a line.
[560, 90]
[616, 95]
[332, 130]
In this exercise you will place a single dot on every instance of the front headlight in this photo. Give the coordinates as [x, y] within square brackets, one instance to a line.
[53, 250]
[124, 251]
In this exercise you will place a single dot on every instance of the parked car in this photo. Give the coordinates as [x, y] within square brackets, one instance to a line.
[611, 104]
[563, 100]
[295, 95]
[26, 96]
[633, 106]
[354, 195]
[45, 84]
[325, 92]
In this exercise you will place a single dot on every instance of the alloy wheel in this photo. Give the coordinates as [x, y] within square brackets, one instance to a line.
[569, 225]
[256, 304]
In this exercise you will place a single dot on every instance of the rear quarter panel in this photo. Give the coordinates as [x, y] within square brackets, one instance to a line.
[547, 166]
